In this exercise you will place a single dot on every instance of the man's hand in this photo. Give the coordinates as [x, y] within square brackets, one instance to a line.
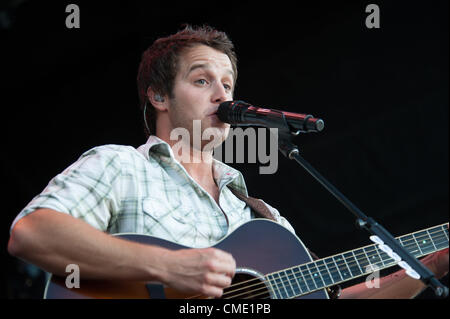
[205, 271]
[437, 263]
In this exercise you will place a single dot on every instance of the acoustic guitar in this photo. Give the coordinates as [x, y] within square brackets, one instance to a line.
[276, 265]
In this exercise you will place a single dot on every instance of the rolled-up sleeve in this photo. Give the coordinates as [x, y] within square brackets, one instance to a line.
[89, 189]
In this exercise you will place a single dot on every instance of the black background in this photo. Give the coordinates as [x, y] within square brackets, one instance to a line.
[383, 94]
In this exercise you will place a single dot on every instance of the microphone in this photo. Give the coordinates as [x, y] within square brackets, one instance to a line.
[245, 114]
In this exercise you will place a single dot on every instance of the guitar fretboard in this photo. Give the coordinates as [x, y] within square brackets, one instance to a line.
[300, 280]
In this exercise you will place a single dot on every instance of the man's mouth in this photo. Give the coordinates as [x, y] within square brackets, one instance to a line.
[214, 113]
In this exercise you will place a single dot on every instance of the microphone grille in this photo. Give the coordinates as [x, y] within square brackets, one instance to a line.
[224, 110]
[231, 111]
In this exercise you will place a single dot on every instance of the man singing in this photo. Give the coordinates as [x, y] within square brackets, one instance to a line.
[151, 190]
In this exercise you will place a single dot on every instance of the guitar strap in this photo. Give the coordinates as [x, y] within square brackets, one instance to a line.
[261, 210]
[257, 205]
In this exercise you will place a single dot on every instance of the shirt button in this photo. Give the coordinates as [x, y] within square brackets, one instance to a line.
[199, 191]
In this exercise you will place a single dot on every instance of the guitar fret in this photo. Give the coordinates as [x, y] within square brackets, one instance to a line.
[379, 255]
[445, 231]
[403, 244]
[411, 245]
[352, 264]
[331, 266]
[279, 287]
[303, 282]
[296, 280]
[431, 240]
[441, 242]
[418, 246]
[320, 276]
[282, 284]
[367, 268]
[370, 258]
[326, 275]
[313, 281]
[347, 265]
[357, 262]
[344, 271]
[337, 270]
[329, 272]
[293, 293]
[316, 275]
[385, 258]
[272, 282]
[425, 242]
[363, 260]
[308, 280]
[373, 261]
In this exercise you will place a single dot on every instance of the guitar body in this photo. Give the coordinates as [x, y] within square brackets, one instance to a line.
[259, 247]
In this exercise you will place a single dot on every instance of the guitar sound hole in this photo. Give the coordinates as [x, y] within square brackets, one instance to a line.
[246, 286]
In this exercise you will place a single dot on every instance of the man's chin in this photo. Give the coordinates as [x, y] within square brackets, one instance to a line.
[213, 137]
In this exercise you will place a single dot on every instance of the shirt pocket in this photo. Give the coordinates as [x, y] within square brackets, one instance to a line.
[171, 220]
[159, 209]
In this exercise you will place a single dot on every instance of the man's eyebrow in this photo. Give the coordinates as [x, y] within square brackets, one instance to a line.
[205, 66]
[199, 66]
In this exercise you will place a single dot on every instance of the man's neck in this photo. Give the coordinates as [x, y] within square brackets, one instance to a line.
[199, 167]
[198, 164]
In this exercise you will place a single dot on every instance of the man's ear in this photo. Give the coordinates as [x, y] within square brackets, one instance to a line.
[157, 100]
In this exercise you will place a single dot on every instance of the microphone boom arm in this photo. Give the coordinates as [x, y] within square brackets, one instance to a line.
[290, 150]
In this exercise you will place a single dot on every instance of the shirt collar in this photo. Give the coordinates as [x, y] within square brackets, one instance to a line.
[222, 173]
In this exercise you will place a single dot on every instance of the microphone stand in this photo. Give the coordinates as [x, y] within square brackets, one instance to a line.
[290, 150]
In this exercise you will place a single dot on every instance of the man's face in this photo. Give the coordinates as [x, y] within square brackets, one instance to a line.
[204, 80]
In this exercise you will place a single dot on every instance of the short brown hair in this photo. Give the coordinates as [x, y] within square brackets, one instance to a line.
[159, 63]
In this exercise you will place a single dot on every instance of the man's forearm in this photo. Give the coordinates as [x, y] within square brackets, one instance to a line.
[53, 240]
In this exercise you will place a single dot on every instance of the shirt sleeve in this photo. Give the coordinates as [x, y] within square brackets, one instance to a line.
[89, 189]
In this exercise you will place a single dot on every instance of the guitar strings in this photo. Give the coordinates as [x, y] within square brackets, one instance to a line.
[341, 262]
[270, 281]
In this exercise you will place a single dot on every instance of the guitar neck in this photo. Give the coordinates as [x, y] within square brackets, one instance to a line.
[303, 279]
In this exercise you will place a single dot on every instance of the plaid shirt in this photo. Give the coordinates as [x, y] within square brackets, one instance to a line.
[120, 189]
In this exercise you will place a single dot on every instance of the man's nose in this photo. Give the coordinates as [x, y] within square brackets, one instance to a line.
[220, 94]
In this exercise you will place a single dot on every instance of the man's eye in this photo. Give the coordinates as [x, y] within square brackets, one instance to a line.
[201, 82]
[227, 87]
